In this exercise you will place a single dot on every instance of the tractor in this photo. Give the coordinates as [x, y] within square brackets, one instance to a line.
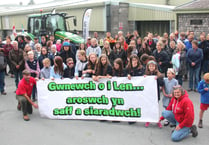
[52, 24]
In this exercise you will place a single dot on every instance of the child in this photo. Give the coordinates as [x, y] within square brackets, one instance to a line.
[80, 64]
[106, 49]
[118, 52]
[118, 69]
[57, 70]
[81, 47]
[161, 57]
[70, 70]
[58, 45]
[89, 69]
[152, 69]
[103, 68]
[203, 88]
[134, 67]
[144, 59]
[94, 48]
[169, 83]
[45, 71]
[33, 66]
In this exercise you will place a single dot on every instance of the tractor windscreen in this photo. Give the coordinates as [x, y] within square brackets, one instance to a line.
[55, 22]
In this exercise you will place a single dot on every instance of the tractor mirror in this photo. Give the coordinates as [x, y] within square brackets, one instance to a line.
[75, 21]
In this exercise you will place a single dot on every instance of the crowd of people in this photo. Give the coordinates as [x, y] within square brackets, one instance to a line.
[171, 58]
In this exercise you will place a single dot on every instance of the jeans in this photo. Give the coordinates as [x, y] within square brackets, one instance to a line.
[176, 135]
[25, 105]
[180, 79]
[205, 68]
[18, 76]
[2, 83]
[194, 74]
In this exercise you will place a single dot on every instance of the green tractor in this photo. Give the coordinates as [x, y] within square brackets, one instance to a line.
[52, 24]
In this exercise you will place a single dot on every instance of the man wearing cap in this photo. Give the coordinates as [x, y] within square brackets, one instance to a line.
[23, 94]
[67, 52]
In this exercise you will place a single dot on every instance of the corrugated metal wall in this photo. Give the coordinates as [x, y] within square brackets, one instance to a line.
[97, 20]
[141, 14]
[17, 20]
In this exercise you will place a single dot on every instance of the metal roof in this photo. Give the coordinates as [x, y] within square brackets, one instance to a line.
[47, 6]
[18, 9]
[153, 6]
[194, 5]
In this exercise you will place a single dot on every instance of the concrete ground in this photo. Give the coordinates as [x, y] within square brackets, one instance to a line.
[40, 131]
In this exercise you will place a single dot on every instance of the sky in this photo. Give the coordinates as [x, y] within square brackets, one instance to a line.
[25, 2]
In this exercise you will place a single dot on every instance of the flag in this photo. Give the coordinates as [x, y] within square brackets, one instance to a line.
[86, 20]
[22, 29]
[14, 31]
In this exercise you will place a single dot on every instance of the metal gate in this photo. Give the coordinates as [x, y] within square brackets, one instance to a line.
[158, 27]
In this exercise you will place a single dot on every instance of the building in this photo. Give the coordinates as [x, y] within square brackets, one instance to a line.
[193, 16]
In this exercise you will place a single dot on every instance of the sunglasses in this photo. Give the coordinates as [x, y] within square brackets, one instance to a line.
[70, 63]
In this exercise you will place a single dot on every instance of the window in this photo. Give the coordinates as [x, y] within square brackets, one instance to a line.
[195, 22]
[55, 22]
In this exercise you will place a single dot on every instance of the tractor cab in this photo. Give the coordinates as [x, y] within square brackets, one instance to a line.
[46, 24]
[52, 24]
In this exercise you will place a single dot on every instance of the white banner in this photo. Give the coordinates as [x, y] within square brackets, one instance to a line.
[86, 20]
[116, 99]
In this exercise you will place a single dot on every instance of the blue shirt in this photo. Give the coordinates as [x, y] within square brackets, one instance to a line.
[188, 45]
[56, 75]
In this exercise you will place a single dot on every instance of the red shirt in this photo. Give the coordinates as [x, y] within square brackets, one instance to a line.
[25, 87]
[125, 46]
[183, 110]
[7, 48]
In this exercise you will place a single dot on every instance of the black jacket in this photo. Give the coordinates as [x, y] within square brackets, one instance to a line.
[67, 54]
[69, 72]
[163, 57]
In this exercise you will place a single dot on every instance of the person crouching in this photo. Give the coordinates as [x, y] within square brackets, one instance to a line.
[23, 94]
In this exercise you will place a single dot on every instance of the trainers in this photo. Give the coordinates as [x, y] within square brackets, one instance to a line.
[26, 118]
[3, 93]
[115, 121]
[159, 125]
[189, 90]
[166, 123]
[130, 123]
[200, 124]
[194, 131]
[147, 124]
[172, 125]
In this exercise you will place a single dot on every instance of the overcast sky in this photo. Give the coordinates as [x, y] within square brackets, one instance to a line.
[25, 2]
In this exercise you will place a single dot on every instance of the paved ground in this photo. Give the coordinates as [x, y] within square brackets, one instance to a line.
[39, 131]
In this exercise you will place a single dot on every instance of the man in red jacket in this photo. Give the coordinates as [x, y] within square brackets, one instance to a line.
[23, 94]
[180, 112]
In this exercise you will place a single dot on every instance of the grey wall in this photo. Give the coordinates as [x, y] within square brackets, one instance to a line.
[183, 21]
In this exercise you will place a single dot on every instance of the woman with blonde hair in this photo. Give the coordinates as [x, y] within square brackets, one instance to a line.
[179, 62]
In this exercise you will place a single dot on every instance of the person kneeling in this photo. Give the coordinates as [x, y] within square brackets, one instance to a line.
[23, 94]
[180, 112]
